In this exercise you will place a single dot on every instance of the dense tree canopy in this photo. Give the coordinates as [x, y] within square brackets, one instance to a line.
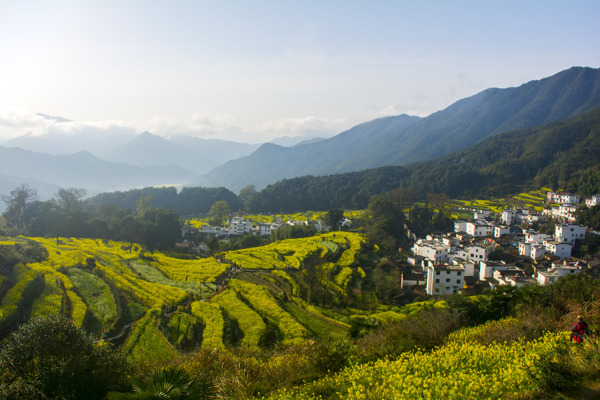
[68, 215]
[50, 358]
[16, 202]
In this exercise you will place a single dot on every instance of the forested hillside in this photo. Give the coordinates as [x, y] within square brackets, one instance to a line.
[562, 154]
[402, 140]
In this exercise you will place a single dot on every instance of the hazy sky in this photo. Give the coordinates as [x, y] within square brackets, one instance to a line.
[254, 70]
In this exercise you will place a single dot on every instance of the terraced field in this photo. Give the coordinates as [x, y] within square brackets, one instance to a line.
[154, 305]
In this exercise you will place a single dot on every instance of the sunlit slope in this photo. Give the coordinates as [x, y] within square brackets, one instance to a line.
[461, 369]
[154, 305]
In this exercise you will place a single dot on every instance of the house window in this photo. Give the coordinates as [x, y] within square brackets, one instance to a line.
[437, 281]
[458, 281]
[458, 273]
[437, 272]
[437, 289]
[447, 279]
[447, 272]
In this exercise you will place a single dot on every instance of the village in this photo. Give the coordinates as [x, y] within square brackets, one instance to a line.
[489, 250]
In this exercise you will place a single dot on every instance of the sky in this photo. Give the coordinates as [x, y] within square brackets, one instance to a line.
[251, 71]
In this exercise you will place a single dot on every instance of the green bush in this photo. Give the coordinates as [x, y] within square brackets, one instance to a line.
[49, 357]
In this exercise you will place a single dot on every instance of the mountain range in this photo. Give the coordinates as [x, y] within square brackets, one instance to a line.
[561, 154]
[402, 140]
[122, 161]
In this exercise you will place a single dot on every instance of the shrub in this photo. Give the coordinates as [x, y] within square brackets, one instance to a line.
[52, 358]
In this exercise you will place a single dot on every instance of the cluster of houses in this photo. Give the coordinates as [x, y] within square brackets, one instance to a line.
[459, 262]
[567, 204]
[238, 226]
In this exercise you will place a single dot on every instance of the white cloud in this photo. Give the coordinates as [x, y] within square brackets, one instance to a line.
[15, 123]
[300, 126]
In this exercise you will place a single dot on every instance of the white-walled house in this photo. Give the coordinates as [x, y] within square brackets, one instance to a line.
[469, 266]
[559, 249]
[481, 214]
[263, 229]
[533, 250]
[444, 279]
[553, 274]
[593, 201]
[508, 216]
[508, 276]
[568, 233]
[532, 236]
[479, 228]
[501, 230]
[487, 268]
[412, 279]
[562, 197]
[213, 230]
[431, 250]
[239, 226]
[564, 212]
[460, 225]
[477, 251]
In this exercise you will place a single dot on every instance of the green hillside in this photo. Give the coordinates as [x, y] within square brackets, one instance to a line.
[299, 319]
[157, 305]
[561, 154]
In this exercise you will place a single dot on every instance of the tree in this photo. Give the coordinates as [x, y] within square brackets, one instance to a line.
[160, 228]
[385, 223]
[438, 201]
[70, 199]
[246, 195]
[219, 212]
[405, 197]
[51, 358]
[334, 218]
[589, 217]
[16, 202]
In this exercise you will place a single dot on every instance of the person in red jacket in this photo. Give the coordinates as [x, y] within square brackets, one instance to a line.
[579, 330]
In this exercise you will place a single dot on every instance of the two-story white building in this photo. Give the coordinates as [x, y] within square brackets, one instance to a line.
[508, 216]
[565, 212]
[501, 230]
[532, 236]
[460, 225]
[568, 233]
[477, 228]
[559, 249]
[239, 226]
[444, 279]
[487, 268]
[533, 250]
[476, 252]
[431, 250]
[562, 197]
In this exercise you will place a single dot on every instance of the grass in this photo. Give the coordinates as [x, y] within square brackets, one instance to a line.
[146, 344]
[321, 328]
[96, 294]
